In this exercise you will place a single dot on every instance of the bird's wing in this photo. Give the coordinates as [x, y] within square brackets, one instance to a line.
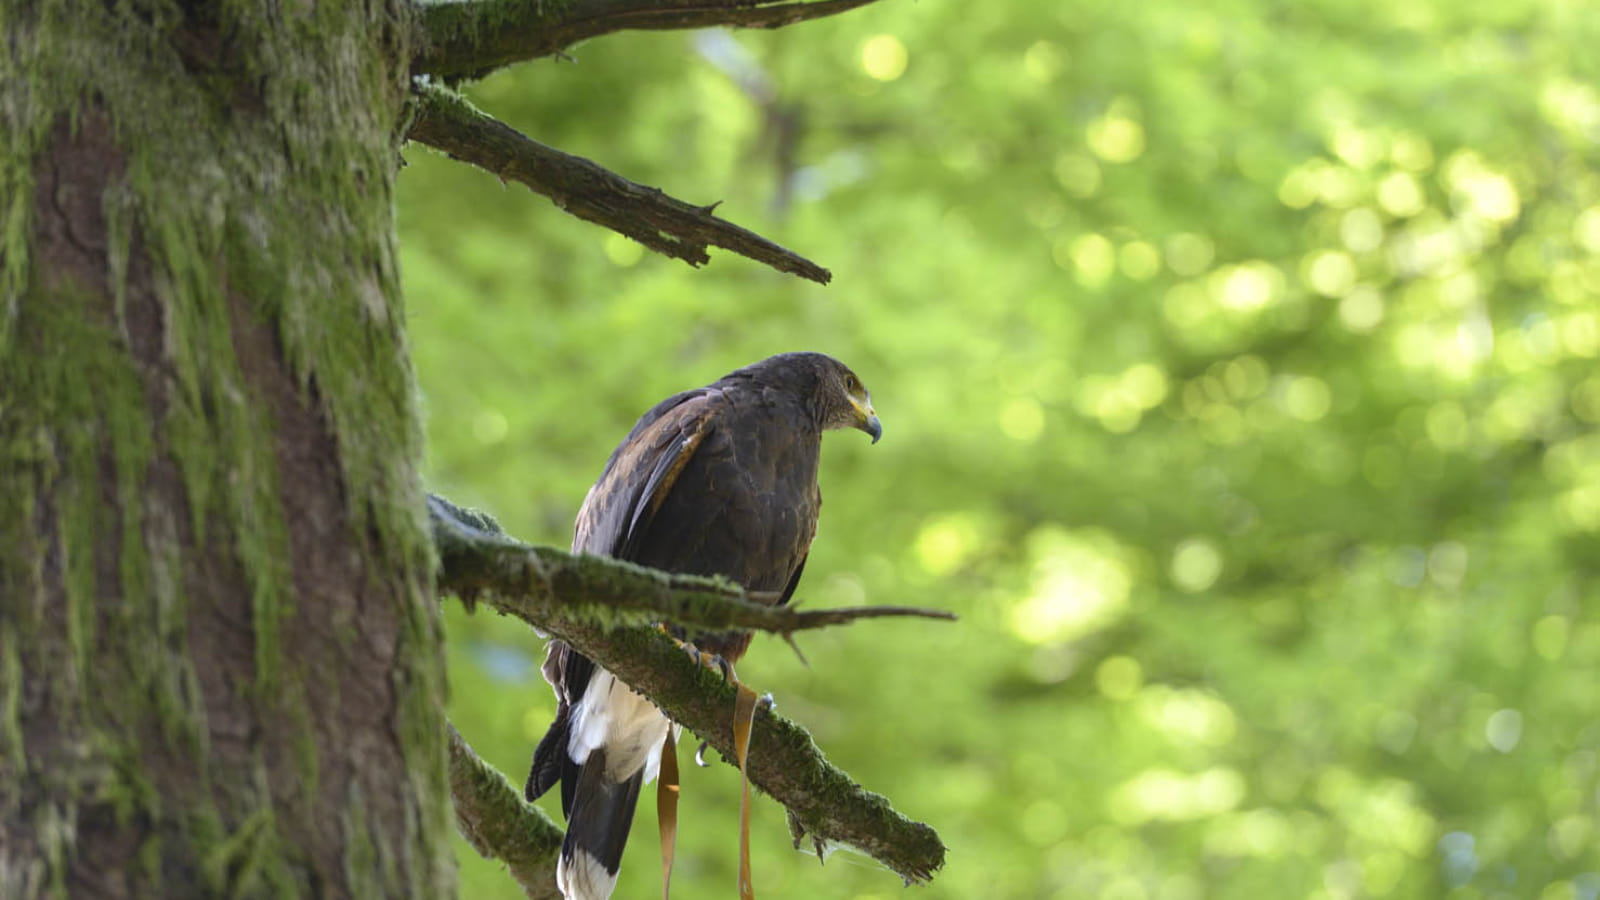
[641, 472]
[615, 517]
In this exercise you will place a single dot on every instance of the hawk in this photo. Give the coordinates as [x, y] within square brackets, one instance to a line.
[720, 480]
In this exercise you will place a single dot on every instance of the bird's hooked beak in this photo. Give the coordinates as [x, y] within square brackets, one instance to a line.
[867, 419]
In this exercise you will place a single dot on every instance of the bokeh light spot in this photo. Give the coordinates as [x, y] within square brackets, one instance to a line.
[1411, 151]
[1580, 333]
[1340, 187]
[1160, 794]
[1144, 384]
[1139, 260]
[1022, 419]
[1361, 310]
[1080, 584]
[1581, 507]
[1479, 191]
[1504, 730]
[1196, 564]
[1331, 273]
[1356, 146]
[1077, 174]
[489, 426]
[1571, 105]
[1585, 400]
[945, 543]
[623, 251]
[1042, 61]
[1570, 836]
[884, 57]
[1493, 197]
[1246, 287]
[1119, 677]
[1360, 230]
[1117, 137]
[1400, 195]
[1120, 401]
[1093, 260]
[1257, 832]
[1550, 637]
[1188, 716]
[1307, 398]
[1381, 872]
[1298, 189]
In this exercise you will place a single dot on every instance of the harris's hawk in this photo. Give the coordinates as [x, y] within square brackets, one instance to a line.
[721, 480]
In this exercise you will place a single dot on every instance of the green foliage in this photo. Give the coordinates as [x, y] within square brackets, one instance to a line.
[1237, 364]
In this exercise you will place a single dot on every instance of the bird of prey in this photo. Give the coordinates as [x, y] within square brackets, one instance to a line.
[720, 480]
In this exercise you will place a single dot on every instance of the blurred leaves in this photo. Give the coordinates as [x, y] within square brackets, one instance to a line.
[1238, 366]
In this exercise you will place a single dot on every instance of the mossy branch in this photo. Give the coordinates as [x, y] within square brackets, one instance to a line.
[497, 822]
[667, 225]
[538, 583]
[472, 39]
[576, 605]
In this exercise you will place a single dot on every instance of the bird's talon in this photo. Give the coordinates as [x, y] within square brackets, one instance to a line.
[700, 754]
[709, 660]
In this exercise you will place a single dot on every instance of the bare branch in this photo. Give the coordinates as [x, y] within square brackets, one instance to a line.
[446, 121]
[495, 820]
[471, 39]
[784, 762]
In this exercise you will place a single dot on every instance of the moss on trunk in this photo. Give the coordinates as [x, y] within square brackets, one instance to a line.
[219, 660]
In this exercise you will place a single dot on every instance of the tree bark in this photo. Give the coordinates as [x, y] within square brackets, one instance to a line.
[220, 666]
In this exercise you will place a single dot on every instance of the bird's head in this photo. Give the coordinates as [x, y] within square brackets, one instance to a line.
[850, 405]
[837, 396]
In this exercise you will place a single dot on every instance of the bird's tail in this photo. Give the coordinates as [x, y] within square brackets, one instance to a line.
[597, 830]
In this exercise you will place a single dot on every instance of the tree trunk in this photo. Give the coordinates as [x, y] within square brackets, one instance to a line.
[220, 665]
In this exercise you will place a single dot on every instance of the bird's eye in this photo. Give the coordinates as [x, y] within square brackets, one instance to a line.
[851, 384]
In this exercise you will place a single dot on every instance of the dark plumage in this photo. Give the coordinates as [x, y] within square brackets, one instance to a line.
[721, 480]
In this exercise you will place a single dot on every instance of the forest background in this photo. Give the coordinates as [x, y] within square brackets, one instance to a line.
[1238, 369]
